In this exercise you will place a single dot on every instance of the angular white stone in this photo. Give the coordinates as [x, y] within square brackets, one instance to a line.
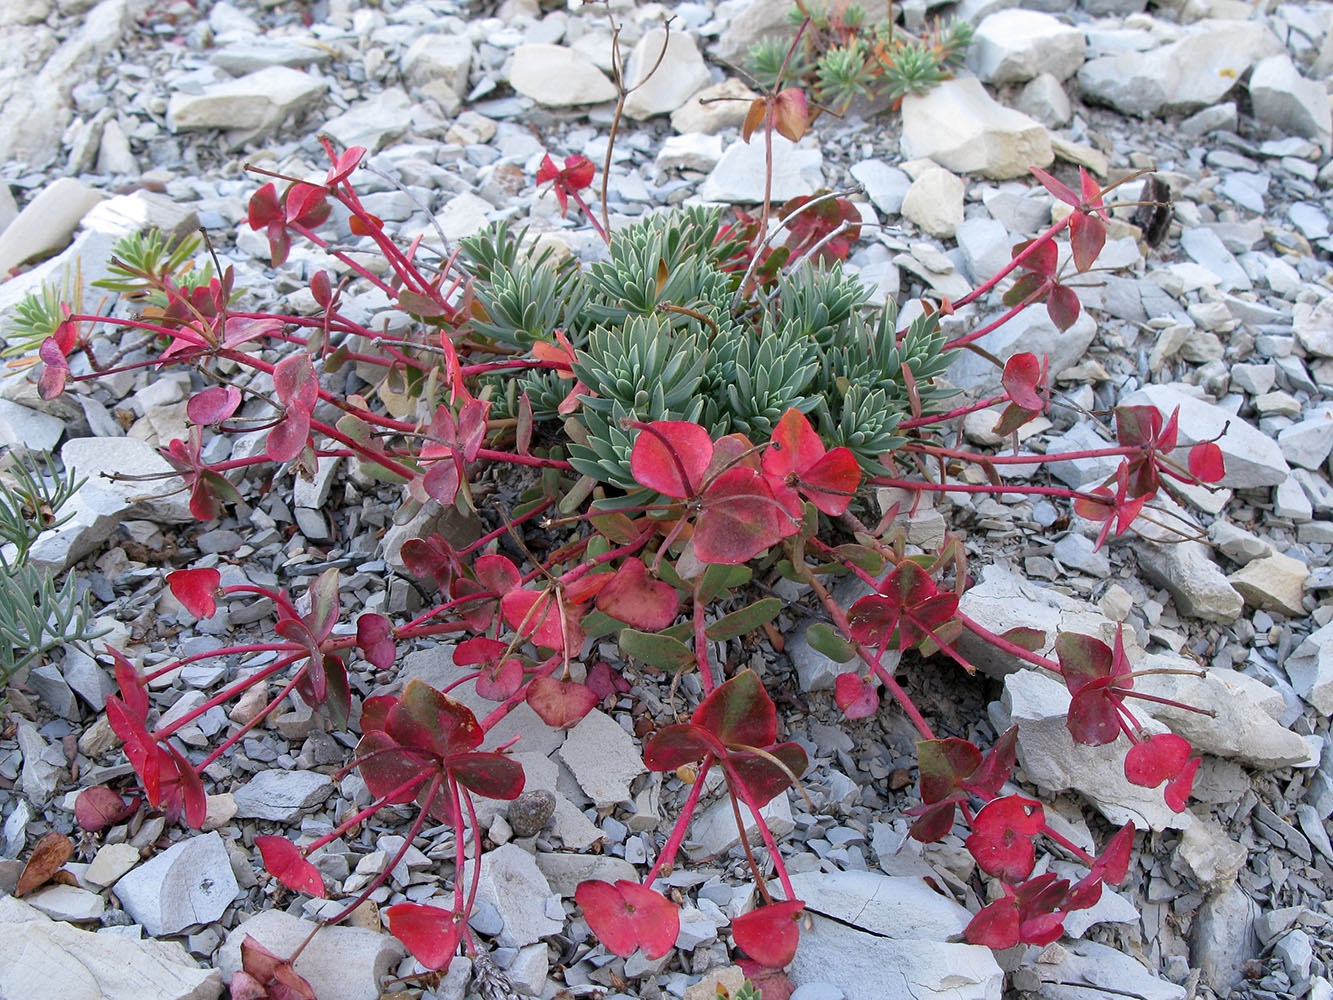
[254, 102]
[67, 902]
[47, 222]
[891, 907]
[558, 77]
[110, 863]
[1013, 46]
[513, 884]
[603, 758]
[1310, 668]
[189, 883]
[961, 127]
[934, 202]
[374, 122]
[681, 74]
[1283, 98]
[439, 57]
[739, 175]
[281, 795]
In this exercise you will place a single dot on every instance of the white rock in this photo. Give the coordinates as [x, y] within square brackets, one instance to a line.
[1044, 99]
[689, 151]
[1274, 583]
[564, 872]
[1310, 668]
[1186, 75]
[1039, 706]
[47, 958]
[439, 57]
[281, 795]
[723, 105]
[714, 832]
[1088, 965]
[886, 186]
[463, 215]
[67, 902]
[110, 863]
[42, 765]
[961, 127]
[1110, 908]
[1005, 599]
[1209, 855]
[1313, 326]
[189, 883]
[1223, 938]
[513, 884]
[769, 18]
[241, 57]
[681, 74]
[256, 102]
[934, 202]
[558, 77]
[869, 967]
[1012, 46]
[891, 907]
[986, 247]
[1185, 568]
[1244, 724]
[340, 963]
[1288, 101]
[22, 429]
[47, 222]
[739, 175]
[374, 122]
[1252, 457]
[603, 758]
[1237, 544]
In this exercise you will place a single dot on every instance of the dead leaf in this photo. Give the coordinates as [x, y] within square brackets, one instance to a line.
[47, 858]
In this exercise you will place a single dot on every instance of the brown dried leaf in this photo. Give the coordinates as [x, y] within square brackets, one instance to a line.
[47, 858]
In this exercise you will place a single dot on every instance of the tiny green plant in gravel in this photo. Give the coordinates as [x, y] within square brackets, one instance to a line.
[673, 425]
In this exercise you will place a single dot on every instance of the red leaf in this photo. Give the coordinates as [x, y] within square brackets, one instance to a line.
[770, 933]
[1087, 236]
[1113, 864]
[1156, 759]
[432, 721]
[265, 975]
[430, 933]
[374, 635]
[188, 791]
[213, 405]
[944, 766]
[497, 574]
[98, 807]
[131, 686]
[857, 697]
[633, 598]
[441, 482]
[579, 171]
[672, 746]
[263, 208]
[763, 776]
[832, 481]
[306, 205]
[536, 615]
[627, 915]
[1021, 378]
[295, 382]
[285, 862]
[740, 519]
[791, 113]
[671, 456]
[385, 766]
[1178, 788]
[934, 821]
[1206, 462]
[606, 682]
[499, 681]
[1057, 187]
[288, 436]
[739, 712]
[197, 590]
[55, 370]
[490, 774]
[1043, 258]
[754, 117]
[344, 165]
[1002, 839]
[995, 925]
[1062, 306]
[560, 704]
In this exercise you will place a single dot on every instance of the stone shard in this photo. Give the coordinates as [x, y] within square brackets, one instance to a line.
[739, 174]
[1016, 45]
[512, 883]
[934, 202]
[281, 795]
[46, 223]
[888, 906]
[1310, 668]
[254, 103]
[603, 759]
[558, 77]
[1075, 973]
[189, 883]
[961, 127]
[680, 75]
[340, 963]
[1281, 97]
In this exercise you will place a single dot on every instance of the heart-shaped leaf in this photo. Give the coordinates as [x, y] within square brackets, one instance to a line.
[770, 933]
[857, 697]
[196, 589]
[213, 405]
[374, 636]
[637, 600]
[626, 916]
[671, 456]
[98, 807]
[1206, 462]
[1002, 839]
[285, 862]
[560, 704]
[1156, 759]
[430, 933]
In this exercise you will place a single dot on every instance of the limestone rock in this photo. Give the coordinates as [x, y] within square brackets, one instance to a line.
[1016, 45]
[281, 795]
[558, 77]
[681, 74]
[47, 222]
[1288, 101]
[1310, 668]
[768, 18]
[1192, 73]
[1223, 938]
[564, 872]
[1031, 330]
[47, 958]
[885, 185]
[1273, 583]
[739, 175]
[892, 907]
[723, 105]
[439, 57]
[1187, 570]
[961, 127]
[256, 102]
[1044, 99]
[374, 122]
[340, 963]
[603, 758]
[934, 202]
[1087, 965]
[1209, 855]
[513, 884]
[189, 883]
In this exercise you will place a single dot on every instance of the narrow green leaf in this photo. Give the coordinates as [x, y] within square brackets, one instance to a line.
[747, 619]
[655, 649]
[824, 638]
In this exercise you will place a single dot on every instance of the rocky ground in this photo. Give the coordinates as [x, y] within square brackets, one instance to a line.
[124, 113]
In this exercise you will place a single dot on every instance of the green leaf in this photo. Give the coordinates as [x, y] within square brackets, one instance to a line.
[596, 624]
[745, 620]
[655, 649]
[718, 579]
[824, 638]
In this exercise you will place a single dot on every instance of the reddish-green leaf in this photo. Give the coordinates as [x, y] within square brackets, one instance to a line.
[374, 635]
[98, 807]
[660, 651]
[285, 862]
[856, 696]
[634, 598]
[740, 519]
[1002, 839]
[490, 774]
[559, 703]
[196, 589]
[1062, 306]
[1207, 463]
[671, 456]
[770, 934]
[430, 933]
[626, 916]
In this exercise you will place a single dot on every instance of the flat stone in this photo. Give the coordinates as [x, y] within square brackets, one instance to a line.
[1313, 325]
[110, 863]
[891, 907]
[374, 122]
[1044, 99]
[281, 795]
[681, 74]
[1288, 101]
[1077, 970]
[564, 872]
[714, 831]
[723, 105]
[962, 128]
[1310, 668]
[47, 222]
[513, 884]
[739, 174]
[1308, 442]
[340, 963]
[189, 883]
[886, 186]
[1186, 568]
[689, 151]
[256, 102]
[50, 958]
[558, 77]
[1273, 583]
[1208, 855]
[934, 202]
[67, 902]
[241, 57]
[442, 57]
[603, 758]
[1223, 938]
